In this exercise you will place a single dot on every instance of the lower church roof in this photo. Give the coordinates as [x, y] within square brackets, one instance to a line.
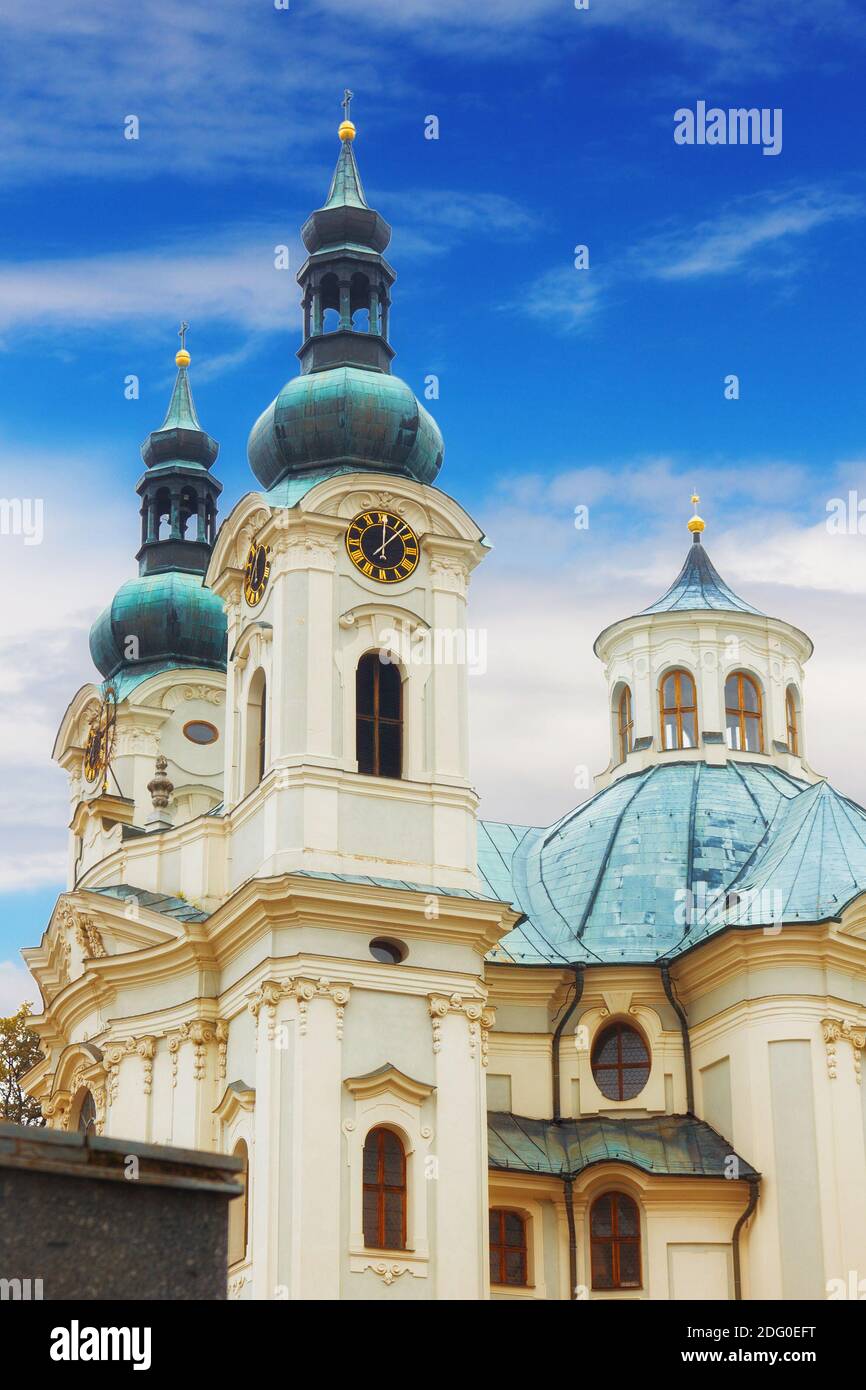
[666, 1145]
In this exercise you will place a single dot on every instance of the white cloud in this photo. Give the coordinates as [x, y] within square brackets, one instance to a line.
[17, 986]
[756, 233]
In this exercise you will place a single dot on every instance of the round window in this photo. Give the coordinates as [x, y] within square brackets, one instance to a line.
[199, 731]
[388, 952]
[620, 1062]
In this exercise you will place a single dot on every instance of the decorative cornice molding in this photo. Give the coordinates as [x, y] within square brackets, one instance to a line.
[86, 931]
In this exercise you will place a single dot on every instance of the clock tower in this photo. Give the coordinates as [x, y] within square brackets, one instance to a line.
[345, 584]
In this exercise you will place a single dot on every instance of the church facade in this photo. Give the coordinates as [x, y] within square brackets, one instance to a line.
[614, 1058]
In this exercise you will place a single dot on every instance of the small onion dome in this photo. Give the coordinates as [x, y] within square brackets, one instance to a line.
[172, 618]
[345, 416]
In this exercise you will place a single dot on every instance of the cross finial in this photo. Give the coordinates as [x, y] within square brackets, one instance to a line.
[346, 103]
[181, 333]
[695, 500]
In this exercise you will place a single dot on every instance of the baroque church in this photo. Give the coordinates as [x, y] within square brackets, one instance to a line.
[614, 1058]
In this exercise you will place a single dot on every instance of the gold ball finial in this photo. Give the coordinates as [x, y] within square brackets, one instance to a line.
[182, 357]
[696, 523]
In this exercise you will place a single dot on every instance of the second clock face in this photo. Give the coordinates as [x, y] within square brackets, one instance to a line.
[256, 572]
[382, 546]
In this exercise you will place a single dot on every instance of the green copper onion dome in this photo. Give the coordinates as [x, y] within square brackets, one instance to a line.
[347, 415]
[173, 619]
[165, 616]
[345, 410]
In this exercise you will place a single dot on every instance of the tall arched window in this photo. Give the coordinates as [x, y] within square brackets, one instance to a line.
[620, 1062]
[239, 1209]
[87, 1114]
[625, 723]
[384, 1191]
[508, 1261]
[791, 720]
[614, 1229]
[378, 717]
[745, 725]
[255, 757]
[679, 710]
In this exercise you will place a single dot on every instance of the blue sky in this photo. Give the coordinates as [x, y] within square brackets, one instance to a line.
[558, 387]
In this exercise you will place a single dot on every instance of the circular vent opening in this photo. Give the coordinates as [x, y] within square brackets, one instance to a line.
[387, 951]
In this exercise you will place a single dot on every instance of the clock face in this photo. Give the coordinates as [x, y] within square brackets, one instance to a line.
[382, 546]
[100, 738]
[256, 572]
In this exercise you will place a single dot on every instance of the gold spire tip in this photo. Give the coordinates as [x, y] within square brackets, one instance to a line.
[696, 524]
[182, 357]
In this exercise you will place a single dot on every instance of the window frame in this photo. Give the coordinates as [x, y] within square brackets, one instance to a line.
[625, 726]
[615, 1240]
[678, 709]
[792, 722]
[503, 1248]
[244, 1197]
[380, 1187]
[742, 713]
[377, 720]
[619, 1026]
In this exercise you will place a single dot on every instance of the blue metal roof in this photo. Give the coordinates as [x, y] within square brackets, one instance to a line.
[646, 868]
[699, 585]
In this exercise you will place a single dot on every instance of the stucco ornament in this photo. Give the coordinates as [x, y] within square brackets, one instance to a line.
[842, 1029]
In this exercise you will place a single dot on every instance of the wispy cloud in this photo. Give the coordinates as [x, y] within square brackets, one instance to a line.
[760, 236]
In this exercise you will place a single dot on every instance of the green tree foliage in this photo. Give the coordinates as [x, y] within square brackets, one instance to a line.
[19, 1051]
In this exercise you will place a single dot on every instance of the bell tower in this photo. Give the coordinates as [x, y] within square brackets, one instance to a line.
[347, 690]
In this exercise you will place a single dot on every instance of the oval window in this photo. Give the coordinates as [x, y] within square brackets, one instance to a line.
[199, 731]
[620, 1062]
[388, 952]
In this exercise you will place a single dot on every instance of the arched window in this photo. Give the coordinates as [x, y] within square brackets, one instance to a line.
[87, 1114]
[620, 1062]
[625, 723]
[745, 726]
[239, 1209]
[378, 717]
[507, 1247]
[791, 720]
[614, 1229]
[679, 710]
[359, 302]
[384, 1191]
[255, 732]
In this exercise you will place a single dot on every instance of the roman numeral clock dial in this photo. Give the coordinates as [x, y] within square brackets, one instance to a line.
[382, 546]
[256, 573]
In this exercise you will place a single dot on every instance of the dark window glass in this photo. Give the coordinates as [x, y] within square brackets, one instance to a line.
[384, 1191]
[508, 1263]
[614, 1227]
[199, 731]
[87, 1115]
[620, 1062]
[379, 717]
